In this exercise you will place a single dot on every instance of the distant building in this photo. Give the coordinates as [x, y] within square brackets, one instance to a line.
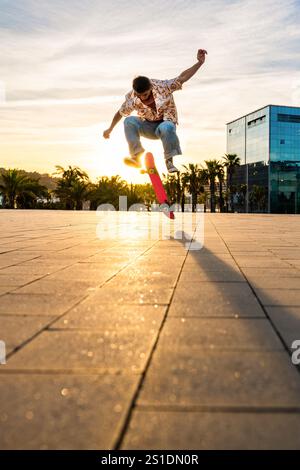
[268, 144]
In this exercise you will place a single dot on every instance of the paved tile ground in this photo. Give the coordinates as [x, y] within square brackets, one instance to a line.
[124, 340]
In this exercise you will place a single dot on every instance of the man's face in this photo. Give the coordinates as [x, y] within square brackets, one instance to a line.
[145, 95]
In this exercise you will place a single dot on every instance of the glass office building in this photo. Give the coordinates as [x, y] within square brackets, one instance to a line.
[268, 144]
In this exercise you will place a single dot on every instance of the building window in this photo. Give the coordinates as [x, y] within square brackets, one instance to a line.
[257, 121]
[288, 118]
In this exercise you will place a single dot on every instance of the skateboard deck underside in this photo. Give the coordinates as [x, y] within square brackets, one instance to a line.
[159, 190]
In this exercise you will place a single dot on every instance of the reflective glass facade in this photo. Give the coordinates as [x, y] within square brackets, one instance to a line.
[268, 144]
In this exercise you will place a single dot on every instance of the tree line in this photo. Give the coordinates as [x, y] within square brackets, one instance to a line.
[210, 184]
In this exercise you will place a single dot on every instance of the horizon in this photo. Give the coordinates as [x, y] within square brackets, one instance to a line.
[66, 67]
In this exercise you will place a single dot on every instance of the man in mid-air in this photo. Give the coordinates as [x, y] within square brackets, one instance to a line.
[156, 115]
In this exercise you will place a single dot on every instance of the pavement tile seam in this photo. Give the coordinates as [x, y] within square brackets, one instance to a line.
[125, 428]
[28, 315]
[24, 264]
[73, 371]
[15, 288]
[226, 231]
[213, 317]
[263, 307]
[8, 251]
[67, 248]
[217, 409]
[74, 329]
[56, 318]
[20, 262]
[45, 327]
[281, 305]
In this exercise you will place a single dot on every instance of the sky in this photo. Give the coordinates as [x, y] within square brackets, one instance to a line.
[66, 65]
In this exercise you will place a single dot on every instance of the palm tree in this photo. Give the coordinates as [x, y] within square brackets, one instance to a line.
[174, 187]
[211, 173]
[32, 191]
[231, 161]
[72, 173]
[73, 187]
[221, 176]
[193, 180]
[107, 191]
[141, 193]
[79, 191]
[17, 187]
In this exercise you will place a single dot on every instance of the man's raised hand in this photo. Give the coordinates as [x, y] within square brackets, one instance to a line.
[106, 134]
[201, 55]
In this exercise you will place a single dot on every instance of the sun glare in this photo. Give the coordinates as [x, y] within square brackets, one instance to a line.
[108, 154]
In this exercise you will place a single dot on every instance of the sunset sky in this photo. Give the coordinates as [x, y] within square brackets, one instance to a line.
[66, 65]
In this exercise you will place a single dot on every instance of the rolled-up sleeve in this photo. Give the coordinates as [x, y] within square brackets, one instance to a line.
[173, 84]
[128, 106]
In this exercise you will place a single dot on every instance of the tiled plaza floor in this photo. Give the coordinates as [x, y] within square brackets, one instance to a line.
[125, 340]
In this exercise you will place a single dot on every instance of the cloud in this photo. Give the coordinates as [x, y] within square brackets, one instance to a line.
[67, 64]
[61, 102]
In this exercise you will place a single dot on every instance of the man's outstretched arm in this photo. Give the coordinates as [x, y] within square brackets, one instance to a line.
[117, 117]
[187, 74]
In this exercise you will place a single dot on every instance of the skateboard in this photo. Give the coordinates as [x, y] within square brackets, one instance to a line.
[159, 190]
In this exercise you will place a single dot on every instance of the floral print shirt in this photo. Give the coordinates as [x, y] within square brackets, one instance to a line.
[165, 106]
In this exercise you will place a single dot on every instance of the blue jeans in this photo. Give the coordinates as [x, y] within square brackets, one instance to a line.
[135, 128]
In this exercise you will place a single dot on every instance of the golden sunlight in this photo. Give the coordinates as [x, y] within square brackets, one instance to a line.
[106, 156]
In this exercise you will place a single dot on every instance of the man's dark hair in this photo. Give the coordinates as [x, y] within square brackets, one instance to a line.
[141, 84]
